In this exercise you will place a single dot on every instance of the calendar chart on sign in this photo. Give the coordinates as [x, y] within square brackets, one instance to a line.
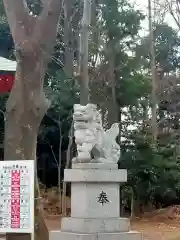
[17, 196]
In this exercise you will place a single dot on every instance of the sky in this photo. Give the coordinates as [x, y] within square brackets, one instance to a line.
[143, 5]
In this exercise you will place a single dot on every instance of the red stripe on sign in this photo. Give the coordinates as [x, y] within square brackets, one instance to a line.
[15, 198]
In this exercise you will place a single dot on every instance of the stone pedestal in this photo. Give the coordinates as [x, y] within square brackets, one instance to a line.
[95, 204]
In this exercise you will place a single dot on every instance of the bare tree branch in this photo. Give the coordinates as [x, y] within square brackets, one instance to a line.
[173, 12]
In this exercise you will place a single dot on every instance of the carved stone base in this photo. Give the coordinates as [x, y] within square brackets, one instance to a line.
[95, 205]
[131, 235]
[95, 190]
[95, 225]
[94, 166]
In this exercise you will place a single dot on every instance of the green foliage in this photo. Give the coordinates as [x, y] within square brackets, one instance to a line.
[2, 11]
[35, 6]
[120, 24]
[167, 45]
[153, 174]
[6, 41]
[63, 93]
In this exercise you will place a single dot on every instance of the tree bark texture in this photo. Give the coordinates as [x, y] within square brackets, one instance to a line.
[84, 37]
[154, 83]
[68, 37]
[33, 38]
[114, 107]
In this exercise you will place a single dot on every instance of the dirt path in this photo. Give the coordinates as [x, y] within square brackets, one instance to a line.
[169, 230]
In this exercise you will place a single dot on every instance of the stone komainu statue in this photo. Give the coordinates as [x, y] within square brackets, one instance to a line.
[94, 144]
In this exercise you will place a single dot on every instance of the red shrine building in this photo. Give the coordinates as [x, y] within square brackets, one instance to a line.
[7, 74]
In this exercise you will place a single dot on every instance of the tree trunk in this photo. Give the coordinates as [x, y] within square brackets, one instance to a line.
[113, 112]
[84, 37]
[26, 106]
[59, 168]
[132, 203]
[113, 89]
[153, 71]
[68, 37]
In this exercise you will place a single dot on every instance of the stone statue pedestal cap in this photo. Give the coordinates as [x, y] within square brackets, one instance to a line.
[95, 204]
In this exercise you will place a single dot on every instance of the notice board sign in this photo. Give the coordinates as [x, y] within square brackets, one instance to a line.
[17, 196]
